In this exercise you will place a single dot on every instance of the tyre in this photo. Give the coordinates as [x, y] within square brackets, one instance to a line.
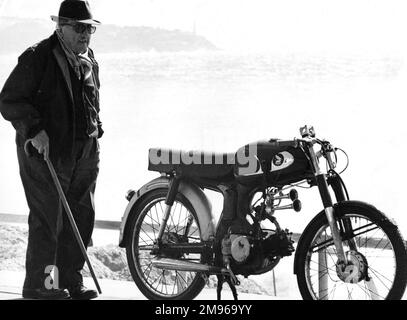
[182, 227]
[377, 267]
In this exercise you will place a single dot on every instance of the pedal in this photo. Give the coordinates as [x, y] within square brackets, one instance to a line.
[235, 281]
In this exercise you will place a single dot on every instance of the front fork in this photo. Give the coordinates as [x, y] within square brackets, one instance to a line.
[330, 215]
[328, 207]
[346, 226]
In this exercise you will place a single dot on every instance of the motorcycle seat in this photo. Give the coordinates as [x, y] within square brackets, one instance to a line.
[199, 164]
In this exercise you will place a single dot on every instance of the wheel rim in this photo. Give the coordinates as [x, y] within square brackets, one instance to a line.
[373, 245]
[162, 282]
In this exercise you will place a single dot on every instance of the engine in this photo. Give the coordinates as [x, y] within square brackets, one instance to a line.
[237, 246]
[248, 252]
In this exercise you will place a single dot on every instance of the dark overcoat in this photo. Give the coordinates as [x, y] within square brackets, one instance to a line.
[38, 95]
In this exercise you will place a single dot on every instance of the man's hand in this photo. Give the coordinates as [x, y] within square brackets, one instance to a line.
[95, 133]
[41, 143]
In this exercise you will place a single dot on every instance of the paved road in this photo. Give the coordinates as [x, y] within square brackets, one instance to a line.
[11, 282]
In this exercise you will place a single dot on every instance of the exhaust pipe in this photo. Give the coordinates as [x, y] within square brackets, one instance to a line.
[182, 265]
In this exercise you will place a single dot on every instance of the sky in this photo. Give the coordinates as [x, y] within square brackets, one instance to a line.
[316, 25]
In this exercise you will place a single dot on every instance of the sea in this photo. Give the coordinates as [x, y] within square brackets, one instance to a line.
[222, 100]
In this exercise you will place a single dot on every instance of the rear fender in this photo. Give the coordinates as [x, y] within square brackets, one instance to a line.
[193, 193]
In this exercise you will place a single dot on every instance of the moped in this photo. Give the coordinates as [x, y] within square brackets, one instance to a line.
[350, 249]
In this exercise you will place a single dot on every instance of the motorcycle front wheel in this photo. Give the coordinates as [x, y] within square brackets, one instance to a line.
[377, 265]
[182, 227]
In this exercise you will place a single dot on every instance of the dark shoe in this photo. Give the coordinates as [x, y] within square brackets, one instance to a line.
[45, 294]
[80, 292]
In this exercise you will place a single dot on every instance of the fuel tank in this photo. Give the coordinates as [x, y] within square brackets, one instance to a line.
[283, 165]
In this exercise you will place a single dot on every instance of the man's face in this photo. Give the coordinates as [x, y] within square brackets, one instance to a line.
[77, 41]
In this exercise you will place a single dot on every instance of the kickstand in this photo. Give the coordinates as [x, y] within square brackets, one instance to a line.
[221, 280]
[231, 280]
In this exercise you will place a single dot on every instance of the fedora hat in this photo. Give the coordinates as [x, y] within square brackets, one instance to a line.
[77, 10]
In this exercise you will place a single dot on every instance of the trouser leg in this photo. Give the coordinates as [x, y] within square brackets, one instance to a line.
[45, 217]
[80, 196]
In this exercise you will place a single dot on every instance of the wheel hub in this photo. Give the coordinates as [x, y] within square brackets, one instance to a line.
[172, 238]
[355, 270]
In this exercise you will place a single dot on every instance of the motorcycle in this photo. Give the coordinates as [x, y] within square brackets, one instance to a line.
[349, 250]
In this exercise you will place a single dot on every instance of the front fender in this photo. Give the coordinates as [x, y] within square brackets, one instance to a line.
[193, 193]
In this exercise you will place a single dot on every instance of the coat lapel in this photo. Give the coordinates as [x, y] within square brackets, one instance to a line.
[63, 64]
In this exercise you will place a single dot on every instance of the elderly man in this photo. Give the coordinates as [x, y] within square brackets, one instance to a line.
[52, 100]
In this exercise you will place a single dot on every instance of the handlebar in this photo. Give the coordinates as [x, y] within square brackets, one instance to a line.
[295, 143]
[308, 140]
[285, 143]
[326, 146]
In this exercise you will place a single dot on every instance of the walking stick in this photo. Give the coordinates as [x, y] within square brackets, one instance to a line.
[69, 214]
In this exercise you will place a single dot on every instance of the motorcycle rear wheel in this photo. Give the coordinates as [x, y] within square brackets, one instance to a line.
[381, 252]
[162, 284]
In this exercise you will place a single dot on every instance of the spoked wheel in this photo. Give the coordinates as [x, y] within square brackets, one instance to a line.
[182, 227]
[376, 254]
